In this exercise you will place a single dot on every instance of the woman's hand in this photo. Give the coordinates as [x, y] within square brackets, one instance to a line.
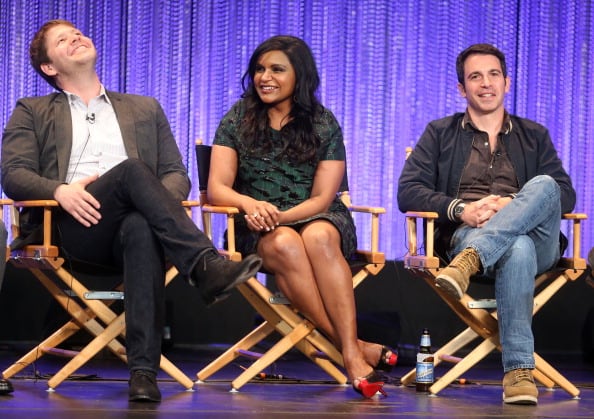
[262, 216]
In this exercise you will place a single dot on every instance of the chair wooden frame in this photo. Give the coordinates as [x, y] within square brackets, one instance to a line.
[93, 315]
[482, 322]
[295, 331]
[5, 203]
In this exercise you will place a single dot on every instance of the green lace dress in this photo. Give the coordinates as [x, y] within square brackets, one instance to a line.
[265, 177]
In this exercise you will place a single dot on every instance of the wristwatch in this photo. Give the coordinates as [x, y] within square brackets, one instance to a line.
[459, 209]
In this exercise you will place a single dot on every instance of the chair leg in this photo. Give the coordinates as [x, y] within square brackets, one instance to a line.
[542, 378]
[450, 348]
[175, 373]
[274, 353]
[81, 318]
[315, 347]
[295, 331]
[545, 368]
[59, 336]
[324, 348]
[247, 342]
[105, 337]
[285, 319]
[311, 352]
[477, 354]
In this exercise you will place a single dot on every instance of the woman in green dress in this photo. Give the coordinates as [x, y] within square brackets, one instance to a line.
[279, 156]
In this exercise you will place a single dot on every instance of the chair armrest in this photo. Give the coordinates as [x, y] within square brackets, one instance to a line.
[372, 255]
[413, 258]
[36, 203]
[46, 249]
[365, 209]
[214, 209]
[190, 204]
[575, 260]
[3, 202]
[229, 212]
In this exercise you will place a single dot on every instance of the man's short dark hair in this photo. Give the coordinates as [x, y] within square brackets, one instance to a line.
[38, 50]
[483, 49]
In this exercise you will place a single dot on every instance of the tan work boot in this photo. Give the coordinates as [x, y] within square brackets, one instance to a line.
[519, 387]
[454, 279]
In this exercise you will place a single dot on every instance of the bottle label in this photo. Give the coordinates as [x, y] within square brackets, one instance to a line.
[425, 368]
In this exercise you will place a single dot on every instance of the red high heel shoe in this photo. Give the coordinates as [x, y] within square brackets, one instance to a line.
[369, 385]
[388, 358]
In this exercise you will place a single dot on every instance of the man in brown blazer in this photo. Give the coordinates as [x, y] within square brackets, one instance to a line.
[111, 162]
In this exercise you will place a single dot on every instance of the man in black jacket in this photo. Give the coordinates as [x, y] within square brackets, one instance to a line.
[499, 188]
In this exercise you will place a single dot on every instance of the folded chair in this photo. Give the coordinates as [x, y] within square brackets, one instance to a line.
[89, 310]
[295, 331]
[481, 315]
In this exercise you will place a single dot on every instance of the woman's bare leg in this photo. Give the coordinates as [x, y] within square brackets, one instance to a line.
[334, 283]
[284, 254]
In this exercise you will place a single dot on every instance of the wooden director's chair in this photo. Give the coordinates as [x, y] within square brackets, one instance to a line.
[5, 203]
[89, 310]
[278, 314]
[481, 315]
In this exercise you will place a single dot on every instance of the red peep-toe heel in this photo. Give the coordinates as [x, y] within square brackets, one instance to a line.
[388, 358]
[369, 385]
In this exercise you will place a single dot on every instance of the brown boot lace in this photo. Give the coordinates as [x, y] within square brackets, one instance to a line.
[467, 261]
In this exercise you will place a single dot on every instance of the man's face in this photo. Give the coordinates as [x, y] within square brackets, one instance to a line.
[68, 49]
[484, 84]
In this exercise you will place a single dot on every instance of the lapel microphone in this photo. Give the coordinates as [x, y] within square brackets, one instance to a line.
[91, 118]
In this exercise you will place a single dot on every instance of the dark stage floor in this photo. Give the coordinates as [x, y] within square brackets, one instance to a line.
[100, 390]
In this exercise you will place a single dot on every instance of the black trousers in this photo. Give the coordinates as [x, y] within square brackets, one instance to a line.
[142, 225]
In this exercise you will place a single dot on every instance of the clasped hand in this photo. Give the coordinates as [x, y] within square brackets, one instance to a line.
[477, 213]
[262, 216]
[79, 203]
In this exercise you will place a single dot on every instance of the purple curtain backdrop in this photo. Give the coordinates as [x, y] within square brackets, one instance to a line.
[387, 69]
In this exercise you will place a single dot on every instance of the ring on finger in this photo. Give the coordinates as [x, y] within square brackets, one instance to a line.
[255, 215]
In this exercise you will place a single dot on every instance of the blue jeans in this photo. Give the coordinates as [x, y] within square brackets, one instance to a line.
[516, 244]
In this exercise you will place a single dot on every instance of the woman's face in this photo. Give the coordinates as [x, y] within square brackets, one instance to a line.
[274, 79]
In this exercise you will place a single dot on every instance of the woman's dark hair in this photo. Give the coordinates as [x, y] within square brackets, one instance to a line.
[300, 141]
[38, 49]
